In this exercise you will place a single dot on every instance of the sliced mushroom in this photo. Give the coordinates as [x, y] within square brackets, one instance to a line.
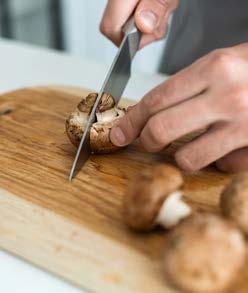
[204, 253]
[154, 198]
[234, 201]
[99, 137]
[107, 115]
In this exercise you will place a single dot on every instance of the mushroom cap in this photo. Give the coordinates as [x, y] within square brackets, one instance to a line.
[234, 201]
[87, 103]
[107, 103]
[146, 194]
[204, 254]
[107, 115]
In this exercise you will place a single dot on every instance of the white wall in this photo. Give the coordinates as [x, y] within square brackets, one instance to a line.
[82, 36]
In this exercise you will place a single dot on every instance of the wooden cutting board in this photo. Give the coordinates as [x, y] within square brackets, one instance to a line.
[75, 230]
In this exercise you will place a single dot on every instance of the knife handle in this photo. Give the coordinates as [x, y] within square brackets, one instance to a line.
[130, 27]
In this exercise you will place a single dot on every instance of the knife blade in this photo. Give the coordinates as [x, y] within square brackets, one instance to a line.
[114, 84]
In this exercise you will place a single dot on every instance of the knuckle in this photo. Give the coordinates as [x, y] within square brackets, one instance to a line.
[239, 99]
[158, 131]
[150, 102]
[130, 125]
[162, 3]
[107, 28]
[126, 124]
[103, 27]
[223, 63]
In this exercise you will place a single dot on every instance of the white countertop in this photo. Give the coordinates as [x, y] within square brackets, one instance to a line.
[23, 66]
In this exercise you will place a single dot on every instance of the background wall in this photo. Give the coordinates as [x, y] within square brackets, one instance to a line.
[81, 20]
[71, 25]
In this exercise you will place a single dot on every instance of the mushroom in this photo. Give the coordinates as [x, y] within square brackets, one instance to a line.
[153, 198]
[234, 201]
[107, 115]
[204, 253]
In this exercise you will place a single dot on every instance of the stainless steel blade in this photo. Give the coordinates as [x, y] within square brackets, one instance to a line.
[114, 84]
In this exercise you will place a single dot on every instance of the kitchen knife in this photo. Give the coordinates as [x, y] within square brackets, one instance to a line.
[114, 84]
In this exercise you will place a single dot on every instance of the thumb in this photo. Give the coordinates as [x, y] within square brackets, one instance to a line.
[150, 14]
[115, 16]
[129, 127]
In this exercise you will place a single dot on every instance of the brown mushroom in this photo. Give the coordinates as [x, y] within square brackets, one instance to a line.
[204, 253]
[107, 115]
[234, 201]
[153, 198]
[99, 137]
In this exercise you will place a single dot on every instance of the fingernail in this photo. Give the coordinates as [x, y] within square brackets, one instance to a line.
[149, 19]
[117, 136]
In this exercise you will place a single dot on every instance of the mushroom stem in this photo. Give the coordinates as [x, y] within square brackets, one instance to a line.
[173, 210]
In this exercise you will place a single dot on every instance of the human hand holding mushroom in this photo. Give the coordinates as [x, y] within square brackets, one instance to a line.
[209, 94]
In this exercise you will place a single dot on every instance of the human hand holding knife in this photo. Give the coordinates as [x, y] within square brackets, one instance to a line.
[114, 84]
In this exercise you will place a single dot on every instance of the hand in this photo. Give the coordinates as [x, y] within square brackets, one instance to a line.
[211, 93]
[151, 17]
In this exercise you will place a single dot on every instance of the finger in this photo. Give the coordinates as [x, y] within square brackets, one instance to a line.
[161, 29]
[128, 127]
[159, 34]
[173, 123]
[146, 40]
[209, 147]
[182, 86]
[149, 14]
[236, 161]
[115, 16]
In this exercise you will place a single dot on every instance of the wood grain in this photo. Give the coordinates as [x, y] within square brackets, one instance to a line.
[75, 230]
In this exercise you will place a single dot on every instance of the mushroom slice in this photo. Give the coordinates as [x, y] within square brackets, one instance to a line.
[204, 253]
[234, 201]
[106, 114]
[87, 103]
[100, 142]
[75, 125]
[153, 198]
[77, 120]
[99, 137]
